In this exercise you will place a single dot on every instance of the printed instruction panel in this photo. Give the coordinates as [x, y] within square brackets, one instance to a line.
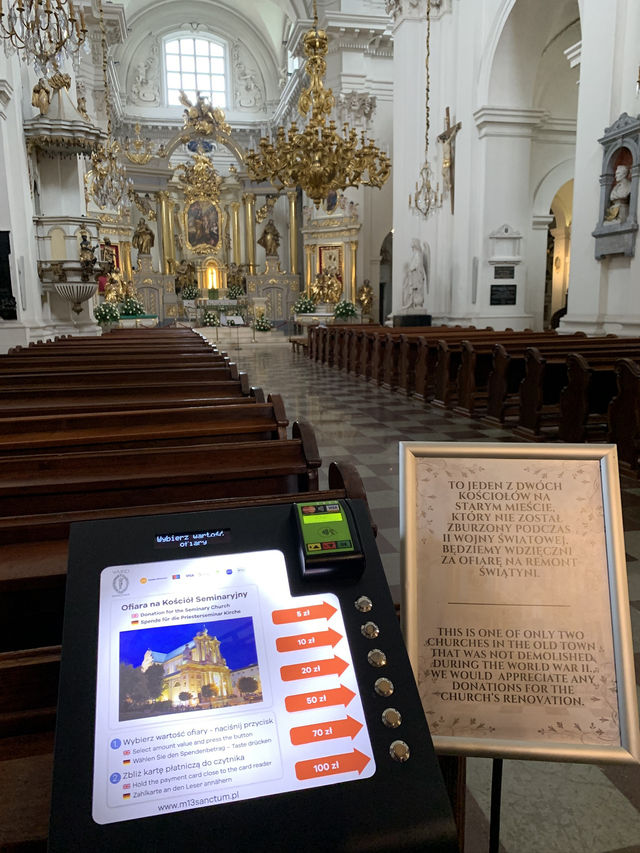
[214, 685]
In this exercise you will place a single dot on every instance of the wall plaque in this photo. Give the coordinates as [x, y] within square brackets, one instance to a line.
[515, 603]
[503, 294]
[502, 272]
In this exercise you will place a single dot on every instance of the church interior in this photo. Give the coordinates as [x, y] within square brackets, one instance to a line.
[313, 187]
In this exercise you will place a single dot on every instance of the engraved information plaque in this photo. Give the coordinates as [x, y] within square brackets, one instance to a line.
[503, 294]
[515, 605]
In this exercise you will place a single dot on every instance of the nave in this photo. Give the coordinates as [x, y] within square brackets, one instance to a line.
[546, 807]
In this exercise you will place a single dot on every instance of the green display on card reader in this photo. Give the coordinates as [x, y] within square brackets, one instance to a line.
[328, 535]
[324, 528]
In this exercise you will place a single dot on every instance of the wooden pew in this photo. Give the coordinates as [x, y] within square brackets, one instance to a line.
[132, 477]
[339, 356]
[546, 376]
[195, 345]
[509, 370]
[101, 431]
[585, 400]
[101, 361]
[624, 415]
[476, 363]
[158, 376]
[95, 398]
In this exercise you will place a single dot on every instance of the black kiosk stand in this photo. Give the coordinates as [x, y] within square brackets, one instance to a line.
[237, 679]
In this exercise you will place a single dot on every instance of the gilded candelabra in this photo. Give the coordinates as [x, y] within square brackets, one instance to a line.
[42, 30]
[318, 157]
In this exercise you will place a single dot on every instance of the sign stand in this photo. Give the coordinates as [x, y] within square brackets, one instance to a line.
[496, 796]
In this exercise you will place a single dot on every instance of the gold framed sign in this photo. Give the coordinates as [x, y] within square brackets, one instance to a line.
[514, 600]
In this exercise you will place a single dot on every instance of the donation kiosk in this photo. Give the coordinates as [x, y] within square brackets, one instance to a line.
[237, 680]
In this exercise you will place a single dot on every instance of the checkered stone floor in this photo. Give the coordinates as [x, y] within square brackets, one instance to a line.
[547, 808]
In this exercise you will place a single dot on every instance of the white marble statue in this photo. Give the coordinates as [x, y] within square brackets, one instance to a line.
[415, 286]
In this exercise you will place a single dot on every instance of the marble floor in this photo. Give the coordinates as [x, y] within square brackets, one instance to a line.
[546, 807]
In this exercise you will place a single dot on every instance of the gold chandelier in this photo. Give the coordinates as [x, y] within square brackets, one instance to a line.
[318, 158]
[42, 30]
[427, 197]
[107, 182]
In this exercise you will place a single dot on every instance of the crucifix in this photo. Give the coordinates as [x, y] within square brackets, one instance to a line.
[448, 139]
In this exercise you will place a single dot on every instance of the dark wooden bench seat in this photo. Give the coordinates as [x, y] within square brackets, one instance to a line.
[100, 396]
[143, 428]
[509, 370]
[450, 354]
[100, 362]
[545, 378]
[299, 343]
[624, 415]
[476, 364]
[586, 398]
[158, 376]
[104, 344]
[131, 477]
[24, 405]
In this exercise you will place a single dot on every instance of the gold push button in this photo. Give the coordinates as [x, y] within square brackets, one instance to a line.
[370, 630]
[364, 604]
[391, 717]
[377, 657]
[384, 687]
[399, 751]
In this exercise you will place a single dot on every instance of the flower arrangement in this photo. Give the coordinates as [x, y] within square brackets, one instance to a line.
[131, 307]
[190, 291]
[105, 313]
[344, 308]
[304, 305]
[210, 319]
[235, 291]
[261, 324]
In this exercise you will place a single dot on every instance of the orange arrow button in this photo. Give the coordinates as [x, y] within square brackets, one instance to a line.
[301, 614]
[319, 699]
[306, 641]
[313, 669]
[325, 731]
[315, 768]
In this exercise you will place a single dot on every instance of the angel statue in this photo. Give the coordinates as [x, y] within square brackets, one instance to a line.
[416, 280]
[202, 117]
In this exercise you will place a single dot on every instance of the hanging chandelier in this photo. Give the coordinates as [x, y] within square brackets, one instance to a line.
[318, 158]
[107, 182]
[426, 198]
[42, 31]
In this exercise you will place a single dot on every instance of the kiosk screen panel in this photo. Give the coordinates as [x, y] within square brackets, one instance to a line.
[214, 685]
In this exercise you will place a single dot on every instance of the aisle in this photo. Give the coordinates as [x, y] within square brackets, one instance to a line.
[358, 422]
[547, 808]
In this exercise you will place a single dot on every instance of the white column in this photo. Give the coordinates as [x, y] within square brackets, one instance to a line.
[603, 295]
[409, 49]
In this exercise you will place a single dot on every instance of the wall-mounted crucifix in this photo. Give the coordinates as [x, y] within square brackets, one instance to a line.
[448, 139]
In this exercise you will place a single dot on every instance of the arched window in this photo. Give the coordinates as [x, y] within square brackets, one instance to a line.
[195, 65]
